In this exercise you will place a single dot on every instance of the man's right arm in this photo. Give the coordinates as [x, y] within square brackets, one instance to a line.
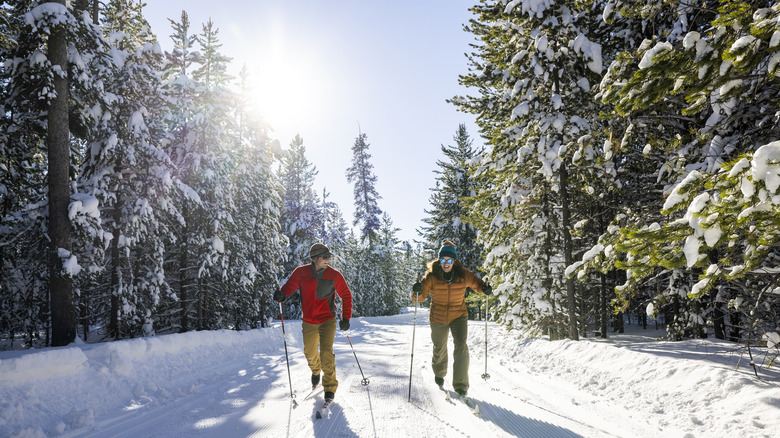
[291, 285]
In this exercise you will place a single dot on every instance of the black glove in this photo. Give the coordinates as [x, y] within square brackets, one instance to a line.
[487, 289]
[279, 296]
[417, 288]
[344, 324]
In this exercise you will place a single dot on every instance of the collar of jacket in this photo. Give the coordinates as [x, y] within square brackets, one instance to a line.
[315, 273]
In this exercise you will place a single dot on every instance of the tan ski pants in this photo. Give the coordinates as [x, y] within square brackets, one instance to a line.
[320, 337]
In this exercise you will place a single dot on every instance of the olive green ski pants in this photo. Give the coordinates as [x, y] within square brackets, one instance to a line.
[460, 364]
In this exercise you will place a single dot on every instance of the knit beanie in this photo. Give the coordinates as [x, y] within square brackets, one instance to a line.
[448, 250]
[319, 250]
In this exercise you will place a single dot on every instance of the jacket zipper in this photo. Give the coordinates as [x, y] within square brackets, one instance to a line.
[448, 302]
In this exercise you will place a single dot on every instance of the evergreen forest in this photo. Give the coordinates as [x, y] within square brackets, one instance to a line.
[626, 168]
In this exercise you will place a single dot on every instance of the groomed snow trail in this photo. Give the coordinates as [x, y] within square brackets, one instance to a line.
[251, 396]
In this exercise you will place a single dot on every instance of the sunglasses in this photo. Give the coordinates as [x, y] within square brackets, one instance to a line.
[446, 262]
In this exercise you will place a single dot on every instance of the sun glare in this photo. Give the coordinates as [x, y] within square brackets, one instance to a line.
[286, 88]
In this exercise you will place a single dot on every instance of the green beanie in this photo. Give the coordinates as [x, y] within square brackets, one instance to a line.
[448, 250]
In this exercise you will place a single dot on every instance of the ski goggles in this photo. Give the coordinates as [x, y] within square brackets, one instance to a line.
[446, 262]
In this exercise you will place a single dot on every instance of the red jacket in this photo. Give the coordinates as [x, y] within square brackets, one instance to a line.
[317, 293]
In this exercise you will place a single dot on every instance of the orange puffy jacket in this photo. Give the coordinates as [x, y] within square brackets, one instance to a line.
[448, 300]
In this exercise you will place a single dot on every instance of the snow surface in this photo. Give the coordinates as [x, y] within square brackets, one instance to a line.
[235, 384]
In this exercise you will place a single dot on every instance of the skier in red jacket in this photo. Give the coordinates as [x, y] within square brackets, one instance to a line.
[319, 284]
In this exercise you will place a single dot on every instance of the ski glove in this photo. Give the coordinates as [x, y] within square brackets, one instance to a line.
[417, 288]
[487, 289]
[344, 324]
[279, 296]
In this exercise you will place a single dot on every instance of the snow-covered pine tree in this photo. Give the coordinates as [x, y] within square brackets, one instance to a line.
[182, 257]
[334, 230]
[711, 75]
[63, 315]
[256, 246]
[23, 218]
[350, 262]
[52, 84]
[126, 169]
[654, 146]
[367, 253]
[534, 70]
[361, 174]
[301, 216]
[215, 143]
[446, 217]
[392, 281]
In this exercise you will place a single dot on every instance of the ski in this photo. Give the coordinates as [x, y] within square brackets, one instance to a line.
[470, 403]
[314, 390]
[323, 408]
[446, 394]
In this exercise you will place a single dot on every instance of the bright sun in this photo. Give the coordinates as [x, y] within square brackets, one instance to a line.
[286, 87]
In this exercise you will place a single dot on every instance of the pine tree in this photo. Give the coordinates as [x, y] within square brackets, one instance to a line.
[256, 247]
[189, 152]
[63, 315]
[334, 230]
[215, 147]
[24, 248]
[445, 219]
[301, 216]
[705, 84]
[392, 280]
[50, 100]
[361, 174]
[126, 169]
[534, 72]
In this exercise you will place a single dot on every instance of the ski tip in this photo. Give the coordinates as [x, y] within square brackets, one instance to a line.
[318, 415]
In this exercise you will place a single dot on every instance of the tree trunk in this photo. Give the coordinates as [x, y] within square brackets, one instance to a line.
[113, 324]
[571, 299]
[63, 314]
[183, 262]
[618, 323]
[735, 333]
[84, 313]
[200, 305]
[603, 306]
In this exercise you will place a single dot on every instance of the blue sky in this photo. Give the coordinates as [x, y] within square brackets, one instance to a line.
[329, 69]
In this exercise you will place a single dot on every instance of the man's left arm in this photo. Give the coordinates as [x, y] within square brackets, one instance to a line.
[346, 296]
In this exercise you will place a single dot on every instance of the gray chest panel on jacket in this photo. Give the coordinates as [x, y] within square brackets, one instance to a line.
[325, 288]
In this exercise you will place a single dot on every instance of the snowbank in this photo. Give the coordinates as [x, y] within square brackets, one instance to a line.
[45, 392]
[705, 388]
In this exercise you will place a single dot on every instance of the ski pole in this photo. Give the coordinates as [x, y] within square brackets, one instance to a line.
[365, 381]
[292, 395]
[487, 302]
[414, 328]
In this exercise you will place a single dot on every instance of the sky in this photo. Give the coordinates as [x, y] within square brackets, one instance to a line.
[230, 384]
[328, 70]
